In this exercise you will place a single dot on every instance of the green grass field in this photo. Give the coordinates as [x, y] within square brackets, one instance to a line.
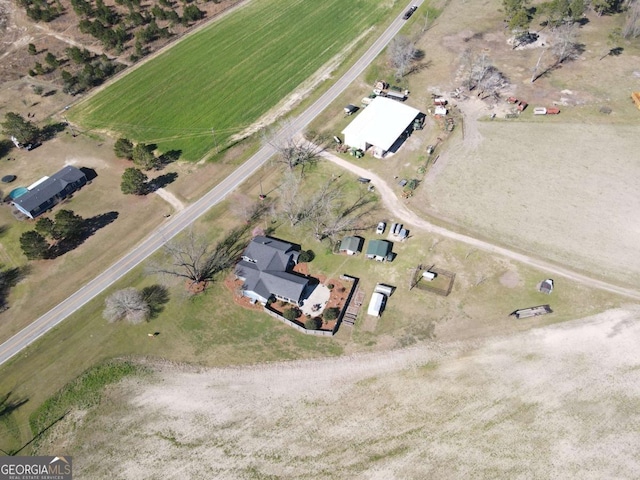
[226, 76]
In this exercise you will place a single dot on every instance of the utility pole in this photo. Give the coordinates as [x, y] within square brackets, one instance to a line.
[213, 132]
[73, 133]
[262, 195]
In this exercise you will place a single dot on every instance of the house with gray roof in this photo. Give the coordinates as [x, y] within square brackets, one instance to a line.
[266, 268]
[46, 194]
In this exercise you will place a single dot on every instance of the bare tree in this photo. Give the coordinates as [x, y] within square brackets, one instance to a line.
[248, 209]
[402, 53]
[435, 243]
[193, 258]
[330, 215]
[341, 218]
[483, 75]
[534, 72]
[127, 304]
[292, 205]
[564, 46]
[631, 27]
[292, 149]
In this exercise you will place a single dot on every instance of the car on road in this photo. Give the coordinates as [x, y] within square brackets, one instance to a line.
[380, 228]
[408, 13]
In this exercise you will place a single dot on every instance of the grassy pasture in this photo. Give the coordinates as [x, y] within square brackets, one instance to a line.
[226, 76]
[211, 330]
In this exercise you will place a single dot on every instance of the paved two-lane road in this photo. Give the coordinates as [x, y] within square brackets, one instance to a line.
[190, 214]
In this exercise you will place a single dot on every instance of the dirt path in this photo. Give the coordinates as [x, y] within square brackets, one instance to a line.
[47, 31]
[170, 198]
[560, 400]
[400, 209]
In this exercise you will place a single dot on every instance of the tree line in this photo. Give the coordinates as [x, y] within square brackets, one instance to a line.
[27, 132]
[134, 181]
[128, 20]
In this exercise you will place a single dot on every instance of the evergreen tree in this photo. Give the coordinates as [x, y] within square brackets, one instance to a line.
[133, 182]
[34, 245]
[15, 125]
[123, 148]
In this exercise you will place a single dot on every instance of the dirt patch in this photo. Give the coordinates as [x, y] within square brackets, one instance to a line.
[413, 410]
[170, 198]
[510, 279]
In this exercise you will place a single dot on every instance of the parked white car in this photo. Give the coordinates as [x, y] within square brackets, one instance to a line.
[380, 228]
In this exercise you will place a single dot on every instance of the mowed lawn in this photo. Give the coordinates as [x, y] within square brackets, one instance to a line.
[226, 76]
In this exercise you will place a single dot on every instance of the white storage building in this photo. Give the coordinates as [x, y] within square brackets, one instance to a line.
[376, 304]
[380, 125]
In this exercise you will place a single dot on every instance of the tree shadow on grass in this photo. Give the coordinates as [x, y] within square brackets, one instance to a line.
[8, 279]
[49, 131]
[168, 157]
[162, 181]
[156, 297]
[89, 227]
[5, 147]
[8, 406]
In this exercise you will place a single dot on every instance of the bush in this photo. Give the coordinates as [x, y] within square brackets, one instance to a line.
[331, 313]
[306, 256]
[314, 323]
[291, 313]
[330, 286]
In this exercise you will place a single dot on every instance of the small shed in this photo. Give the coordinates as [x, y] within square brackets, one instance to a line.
[440, 110]
[384, 289]
[376, 304]
[546, 286]
[351, 245]
[379, 250]
[428, 275]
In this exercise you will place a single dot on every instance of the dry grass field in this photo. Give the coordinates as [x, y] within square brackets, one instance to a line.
[556, 402]
[535, 187]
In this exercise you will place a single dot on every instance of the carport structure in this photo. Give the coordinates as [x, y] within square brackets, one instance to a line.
[381, 125]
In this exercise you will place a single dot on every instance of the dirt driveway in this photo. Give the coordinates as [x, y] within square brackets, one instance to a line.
[400, 209]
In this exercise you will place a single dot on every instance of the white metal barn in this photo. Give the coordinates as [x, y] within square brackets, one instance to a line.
[380, 125]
